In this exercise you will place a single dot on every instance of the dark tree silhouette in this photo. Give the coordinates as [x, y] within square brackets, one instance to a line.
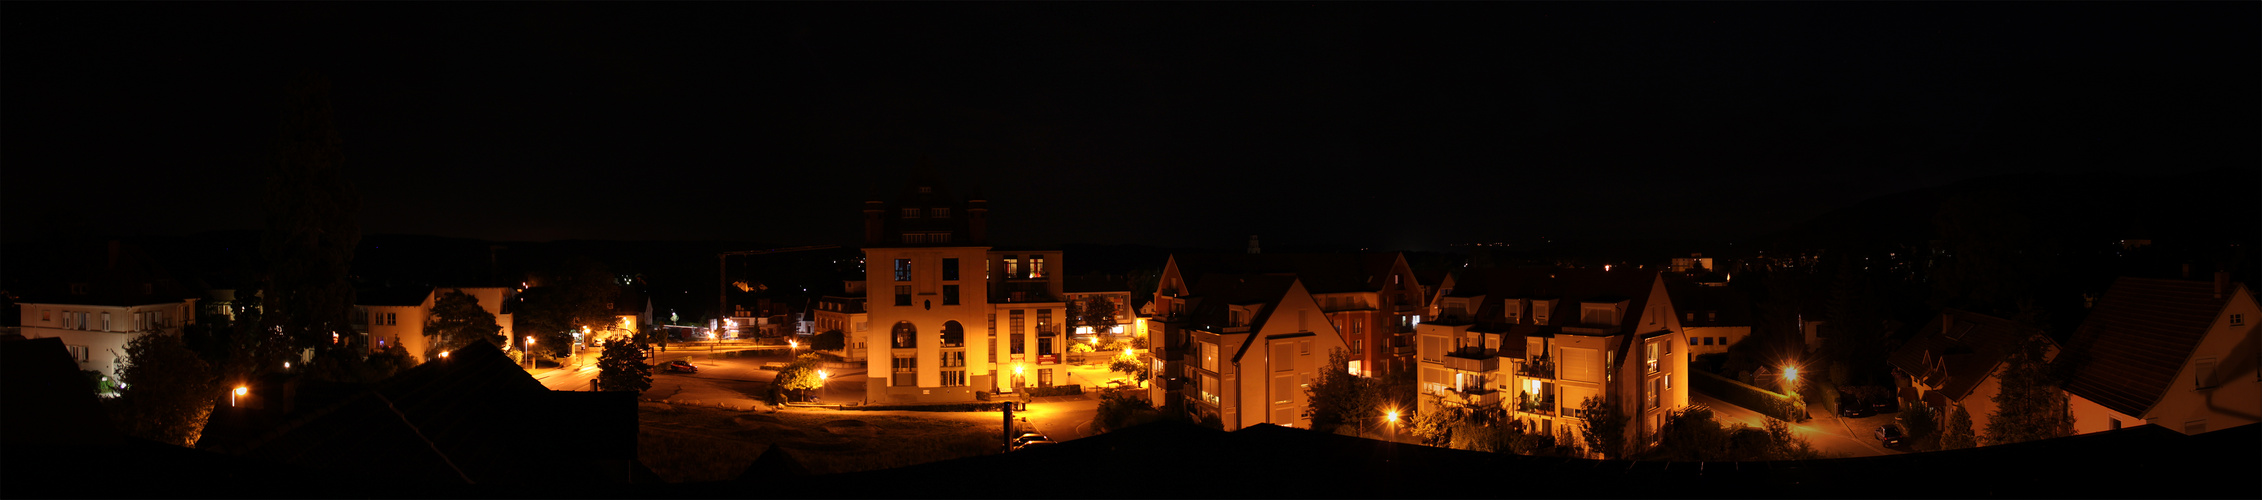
[622, 368]
[457, 320]
[167, 393]
[311, 230]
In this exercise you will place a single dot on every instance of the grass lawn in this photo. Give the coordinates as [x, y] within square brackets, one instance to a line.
[688, 443]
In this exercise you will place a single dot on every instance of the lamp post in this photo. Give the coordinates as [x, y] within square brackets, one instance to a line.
[529, 355]
[239, 392]
[823, 389]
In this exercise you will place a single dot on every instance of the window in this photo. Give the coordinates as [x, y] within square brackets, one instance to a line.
[950, 269]
[2204, 376]
[1044, 322]
[954, 378]
[392, 318]
[1708, 340]
[953, 335]
[1044, 377]
[1358, 346]
[904, 335]
[78, 353]
[954, 359]
[1649, 357]
[1594, 314]
[985, 268]
[1044, 345]
[1209, 356]
[1711, 316]
[1036, 266]
[1691, 317]
[1358, 325]
[1693, 341]
[910, 213]
[1209, 389]
[903, 269]
[2238, 320]
[903, 295]
[46, 315]
[950, 295]
[939, 213]
[1650, 399]
[1012, 267]
[906, 371]
[1015, 322]
[1354, 369]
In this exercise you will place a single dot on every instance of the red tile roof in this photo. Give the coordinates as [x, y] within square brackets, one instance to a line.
[2139, 336]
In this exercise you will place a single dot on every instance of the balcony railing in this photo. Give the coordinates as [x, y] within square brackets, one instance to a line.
[1539, 367]
[1472, 360]
[1478, 396]
[1543, 404]
[1402, 350]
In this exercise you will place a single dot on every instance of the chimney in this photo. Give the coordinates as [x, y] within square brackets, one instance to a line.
[2222, 283]
[977, 221]
[873, 210]
[1252, 244]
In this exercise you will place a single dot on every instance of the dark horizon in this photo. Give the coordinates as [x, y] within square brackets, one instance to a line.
[1171, 125]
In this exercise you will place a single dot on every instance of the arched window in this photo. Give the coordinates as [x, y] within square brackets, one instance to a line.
[953, 335]
[905, 335]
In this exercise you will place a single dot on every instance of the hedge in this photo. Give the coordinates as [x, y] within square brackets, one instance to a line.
[1756, 399]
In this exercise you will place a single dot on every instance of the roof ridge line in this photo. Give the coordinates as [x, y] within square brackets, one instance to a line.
[421, 437]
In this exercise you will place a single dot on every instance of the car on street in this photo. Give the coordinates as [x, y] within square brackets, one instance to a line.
[1890, 434]
[1034, 444]
[1851, 408]
[679, 366]
[1028, 437]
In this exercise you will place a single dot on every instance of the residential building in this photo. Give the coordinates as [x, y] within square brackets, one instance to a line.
[1255, 343]
[1712, 318]
[101, 303]
[2174, 353]
[1957, 360]
[396, 315]
[1028, 316]
[1539, 341]
[1372, 299]
[1114, 289]
[845, 315]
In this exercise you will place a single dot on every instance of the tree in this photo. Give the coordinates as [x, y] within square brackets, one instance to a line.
[1605, 427]
[1133, 366]
[1096, 311]
[2030, 404]
[311, 230]
[1337, 397]
[622, 368]
[574, 293]
[167, 391]
[1783, 445]
[831, 340]
[1121, 408]
[1922, 425]
[1959, 434]
[801, 375]
[457, 321]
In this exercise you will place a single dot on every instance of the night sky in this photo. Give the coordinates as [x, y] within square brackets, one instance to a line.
[1389, 125]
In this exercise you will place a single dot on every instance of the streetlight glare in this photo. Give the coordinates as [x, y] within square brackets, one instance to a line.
[443, 354]
[1791, 372]
[1391, 416]
[241, 390]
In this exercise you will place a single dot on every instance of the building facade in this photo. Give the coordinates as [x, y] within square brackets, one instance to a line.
[388, 317]
[1538, 342]
[845, 315]
[1957, 360]
[1254, 343]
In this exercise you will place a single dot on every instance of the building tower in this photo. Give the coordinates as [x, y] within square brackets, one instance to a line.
[924, 295]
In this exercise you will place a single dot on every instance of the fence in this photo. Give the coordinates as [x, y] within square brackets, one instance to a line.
[1740, 394]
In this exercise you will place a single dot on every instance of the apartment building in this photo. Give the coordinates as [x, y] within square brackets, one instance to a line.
[1540, 341]
[99, 301]
[1254, 343]
[1957, 360]
[396, 315]
[1372, 299]
[845, 315]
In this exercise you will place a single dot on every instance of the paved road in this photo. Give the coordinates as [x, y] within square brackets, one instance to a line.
[1849, 437]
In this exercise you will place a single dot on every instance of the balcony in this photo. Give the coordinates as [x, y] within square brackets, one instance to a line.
[1539, 367]
[1401, 350]
[1476, 396]
[1472, 360]
[1543, 404]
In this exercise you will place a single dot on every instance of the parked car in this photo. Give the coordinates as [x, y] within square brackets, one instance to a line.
[1853, 408]
[1028, 437]
[679, 366]
[1034, 444]
[1885, 405]
[1890, 434]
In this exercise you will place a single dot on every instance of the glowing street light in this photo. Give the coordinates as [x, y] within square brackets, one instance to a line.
[1791, 373]
[240, 391]
[443, 354]
[1392, 417]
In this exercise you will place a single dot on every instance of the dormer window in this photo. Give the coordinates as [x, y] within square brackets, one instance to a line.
[1598, 314]
[1515, 310]
[1540, 310]
[939, 213]
[910, 213]
[1237, 317]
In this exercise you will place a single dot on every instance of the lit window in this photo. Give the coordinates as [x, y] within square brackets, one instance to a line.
[903, 269]
[1036, 266]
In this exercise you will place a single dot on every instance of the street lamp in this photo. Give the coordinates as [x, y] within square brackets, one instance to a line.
[239, 392]
[1392, 417]
[823, 389]
[529, 352]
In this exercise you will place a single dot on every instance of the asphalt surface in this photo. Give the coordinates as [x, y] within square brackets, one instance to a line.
[1830, 434]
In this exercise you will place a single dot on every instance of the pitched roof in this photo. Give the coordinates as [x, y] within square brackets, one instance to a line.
[1569, 287]
[1955, 356]
[1216, 292]
[392, 296]
[48, 400]
[2138, 337]
[1727, 306]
